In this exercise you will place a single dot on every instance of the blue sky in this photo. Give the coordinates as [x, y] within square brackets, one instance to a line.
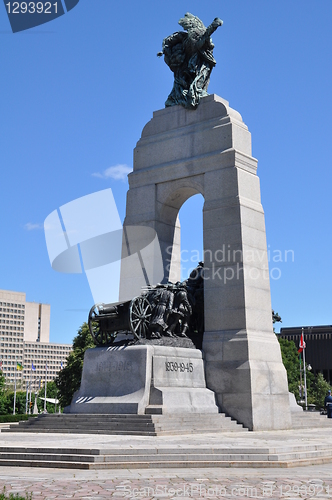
[76, 93]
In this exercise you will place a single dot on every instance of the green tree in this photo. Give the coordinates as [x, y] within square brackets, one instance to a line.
[69, 379]
[317, 386]
[3, 405]
[7, 405]
[290, 359]
[2, 393]
[320, 390]
[2, 383]
[292, 362]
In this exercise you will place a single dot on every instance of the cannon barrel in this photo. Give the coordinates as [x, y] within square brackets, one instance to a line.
[107, 320]
[108, 309]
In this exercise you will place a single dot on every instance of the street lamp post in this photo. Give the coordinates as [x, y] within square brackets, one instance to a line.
[305, 368]
[45, 387]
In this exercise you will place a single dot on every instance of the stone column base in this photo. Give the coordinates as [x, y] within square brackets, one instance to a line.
[143, 379]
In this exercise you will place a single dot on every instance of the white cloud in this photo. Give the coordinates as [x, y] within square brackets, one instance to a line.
[29, 226]
[118, 173]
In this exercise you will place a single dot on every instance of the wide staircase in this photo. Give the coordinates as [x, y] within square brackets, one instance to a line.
[310, 420]
[143, 458]
[136, 425]
[186, 456]
[224, 442]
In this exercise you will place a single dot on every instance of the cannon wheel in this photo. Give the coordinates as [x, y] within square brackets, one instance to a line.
[139, 316]
[100, 338]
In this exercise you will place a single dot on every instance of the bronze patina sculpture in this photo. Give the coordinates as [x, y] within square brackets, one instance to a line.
[165, 310]
[189, 54]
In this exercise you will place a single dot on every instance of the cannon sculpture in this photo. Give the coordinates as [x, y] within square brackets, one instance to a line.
[171, 310]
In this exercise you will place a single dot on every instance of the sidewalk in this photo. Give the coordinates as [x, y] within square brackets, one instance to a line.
[309, 482]
[186, 483]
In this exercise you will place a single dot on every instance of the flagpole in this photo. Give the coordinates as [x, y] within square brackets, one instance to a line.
[15, 388]
[30, 382]
[301, 387]
[45, 387]
[304, 373]
[26, 399]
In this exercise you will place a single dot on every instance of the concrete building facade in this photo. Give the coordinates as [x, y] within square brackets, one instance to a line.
[24, 339]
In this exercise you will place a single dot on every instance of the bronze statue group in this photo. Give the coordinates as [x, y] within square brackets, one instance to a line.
[178, 309]
[189, 55]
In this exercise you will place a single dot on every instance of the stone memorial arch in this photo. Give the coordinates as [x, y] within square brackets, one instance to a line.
[181, 153]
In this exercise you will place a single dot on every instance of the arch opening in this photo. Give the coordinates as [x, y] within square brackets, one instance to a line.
[191, 234]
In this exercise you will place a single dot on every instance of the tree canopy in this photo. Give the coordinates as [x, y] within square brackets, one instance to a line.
[317, 386]
[2, 383]
[69, 379]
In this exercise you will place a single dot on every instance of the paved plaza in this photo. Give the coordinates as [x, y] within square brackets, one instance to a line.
[300, 482]
[312, 481]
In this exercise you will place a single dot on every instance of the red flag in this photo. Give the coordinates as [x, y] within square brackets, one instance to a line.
[302, 344]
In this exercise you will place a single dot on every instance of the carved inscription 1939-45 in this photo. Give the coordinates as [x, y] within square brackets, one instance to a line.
[174, 366]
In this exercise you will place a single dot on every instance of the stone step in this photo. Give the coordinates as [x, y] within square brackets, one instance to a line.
[54, 451]
[165, 423]
[149, 419]
[95, 425]
[121, 453]
[121, 433]
[129, 424]
[122, 458]
[307, 419]
[36, 427]
[153, 410]
[90, 418]
[167, 464]
[41, 463]
[155, 429]
[50, 457]
[133, 418]
[83, 431]
[128, 459]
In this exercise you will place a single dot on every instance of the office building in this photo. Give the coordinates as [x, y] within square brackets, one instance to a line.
[24, 339]
[318, 351]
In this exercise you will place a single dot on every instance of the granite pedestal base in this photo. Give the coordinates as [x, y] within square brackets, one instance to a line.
[143, 379]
